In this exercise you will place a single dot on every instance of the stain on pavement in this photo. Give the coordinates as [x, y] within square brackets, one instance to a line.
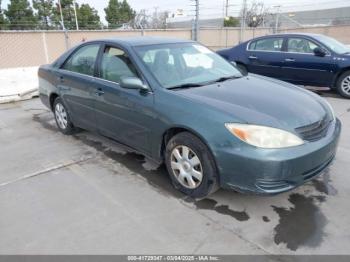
[322, 184]
[301, 225]
[265, 219]
[211, 204]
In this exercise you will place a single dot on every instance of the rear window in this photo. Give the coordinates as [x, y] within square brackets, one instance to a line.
[83, 60]
[267, 44]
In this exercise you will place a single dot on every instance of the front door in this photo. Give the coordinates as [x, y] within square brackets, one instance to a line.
[123, 114]
[302, 66]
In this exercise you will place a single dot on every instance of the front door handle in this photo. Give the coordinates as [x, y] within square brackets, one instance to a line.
[289, 60]
[61, 79]
[99, 92]
[252, 57]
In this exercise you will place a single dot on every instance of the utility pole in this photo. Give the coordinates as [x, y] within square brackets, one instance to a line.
[278, 8]
[226, 9]
[63, 27]
[61, 14]
[196, 21]
[75, 14]
[155, 17]
[244, 10]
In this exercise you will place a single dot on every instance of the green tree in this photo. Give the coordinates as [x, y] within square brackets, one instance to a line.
[20, 15]
[3, 22]
[44, 13]
[88, 17]
[231, 22]
[68, 14]
[118, 13]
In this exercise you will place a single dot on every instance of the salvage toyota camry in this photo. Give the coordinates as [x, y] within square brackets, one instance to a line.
[177, 102]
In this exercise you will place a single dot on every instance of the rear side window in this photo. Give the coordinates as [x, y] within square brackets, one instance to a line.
[267, 44]
[116, 64]
[83, 60]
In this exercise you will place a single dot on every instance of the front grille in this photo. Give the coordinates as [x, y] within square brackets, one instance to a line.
[314, 131]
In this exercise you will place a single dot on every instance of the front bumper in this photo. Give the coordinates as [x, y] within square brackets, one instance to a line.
[270, 171]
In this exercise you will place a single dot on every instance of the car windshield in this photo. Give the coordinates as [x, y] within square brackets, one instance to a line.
[333, 44]
[185, 64]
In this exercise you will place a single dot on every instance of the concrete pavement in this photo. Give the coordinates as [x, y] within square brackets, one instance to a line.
[85, 194]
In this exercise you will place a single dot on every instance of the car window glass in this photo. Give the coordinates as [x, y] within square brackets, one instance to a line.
[185, 63]
[268, 44]
[116, 64]
[197, 60]
[83, 60]
[300, 45]
[150, 56]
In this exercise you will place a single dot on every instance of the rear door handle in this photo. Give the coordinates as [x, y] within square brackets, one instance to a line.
[99, 91]
[252, 57]
[289, 60]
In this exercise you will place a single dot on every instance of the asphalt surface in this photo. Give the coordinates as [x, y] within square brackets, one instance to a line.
[85, 194]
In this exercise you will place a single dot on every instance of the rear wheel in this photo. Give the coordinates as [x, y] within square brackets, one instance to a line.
[62, 118]
[343, 84]
[191, 165]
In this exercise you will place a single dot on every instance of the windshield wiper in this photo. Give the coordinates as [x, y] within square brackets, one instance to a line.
[224, 78]
[189, 85]
[186, 85]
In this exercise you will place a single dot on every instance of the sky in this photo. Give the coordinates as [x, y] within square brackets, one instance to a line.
[213, 8]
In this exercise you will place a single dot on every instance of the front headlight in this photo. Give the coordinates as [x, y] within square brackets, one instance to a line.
[330, 109]
[263, 136]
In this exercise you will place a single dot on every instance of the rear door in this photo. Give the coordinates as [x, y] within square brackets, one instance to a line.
[76, 84]
[265, 56]
[123, 114]
[302, 66]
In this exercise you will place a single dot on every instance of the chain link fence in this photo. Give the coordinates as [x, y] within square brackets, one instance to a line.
[33, 48]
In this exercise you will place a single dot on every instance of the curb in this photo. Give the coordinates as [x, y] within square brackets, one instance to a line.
[29, 94]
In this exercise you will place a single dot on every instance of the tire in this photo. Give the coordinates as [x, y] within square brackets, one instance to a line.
[343, 84]
[62, 118]
[242, 68]
[209, 182]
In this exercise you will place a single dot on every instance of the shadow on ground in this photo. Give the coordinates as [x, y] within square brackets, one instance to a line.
[301, 223]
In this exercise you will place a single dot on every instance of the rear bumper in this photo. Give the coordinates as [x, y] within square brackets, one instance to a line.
[272, 171]
[45, 100]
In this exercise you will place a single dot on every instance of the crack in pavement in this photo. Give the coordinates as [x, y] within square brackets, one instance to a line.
[45, 171]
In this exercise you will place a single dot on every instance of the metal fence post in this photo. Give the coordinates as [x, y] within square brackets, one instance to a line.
[46, 53]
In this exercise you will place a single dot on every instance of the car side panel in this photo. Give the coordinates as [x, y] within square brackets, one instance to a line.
[47, 84]
[77, 91]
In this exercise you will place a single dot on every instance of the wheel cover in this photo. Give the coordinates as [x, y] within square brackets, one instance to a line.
[345, 85]
[61, 116]
[186, 167]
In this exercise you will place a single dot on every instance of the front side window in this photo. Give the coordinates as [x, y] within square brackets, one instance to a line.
[301, 45]
[116, 64]
[267, 44]
[185, 63]
[83, 60]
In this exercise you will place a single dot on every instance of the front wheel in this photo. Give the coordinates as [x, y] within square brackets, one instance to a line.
[191, 165]
[343, 84]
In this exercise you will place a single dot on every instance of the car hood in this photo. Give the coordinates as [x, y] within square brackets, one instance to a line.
[262, 101]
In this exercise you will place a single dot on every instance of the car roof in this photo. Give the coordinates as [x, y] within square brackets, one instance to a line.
[292, 34]
[144, 40]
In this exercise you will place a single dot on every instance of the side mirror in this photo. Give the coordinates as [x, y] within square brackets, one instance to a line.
[131, 82]
[318, 51]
